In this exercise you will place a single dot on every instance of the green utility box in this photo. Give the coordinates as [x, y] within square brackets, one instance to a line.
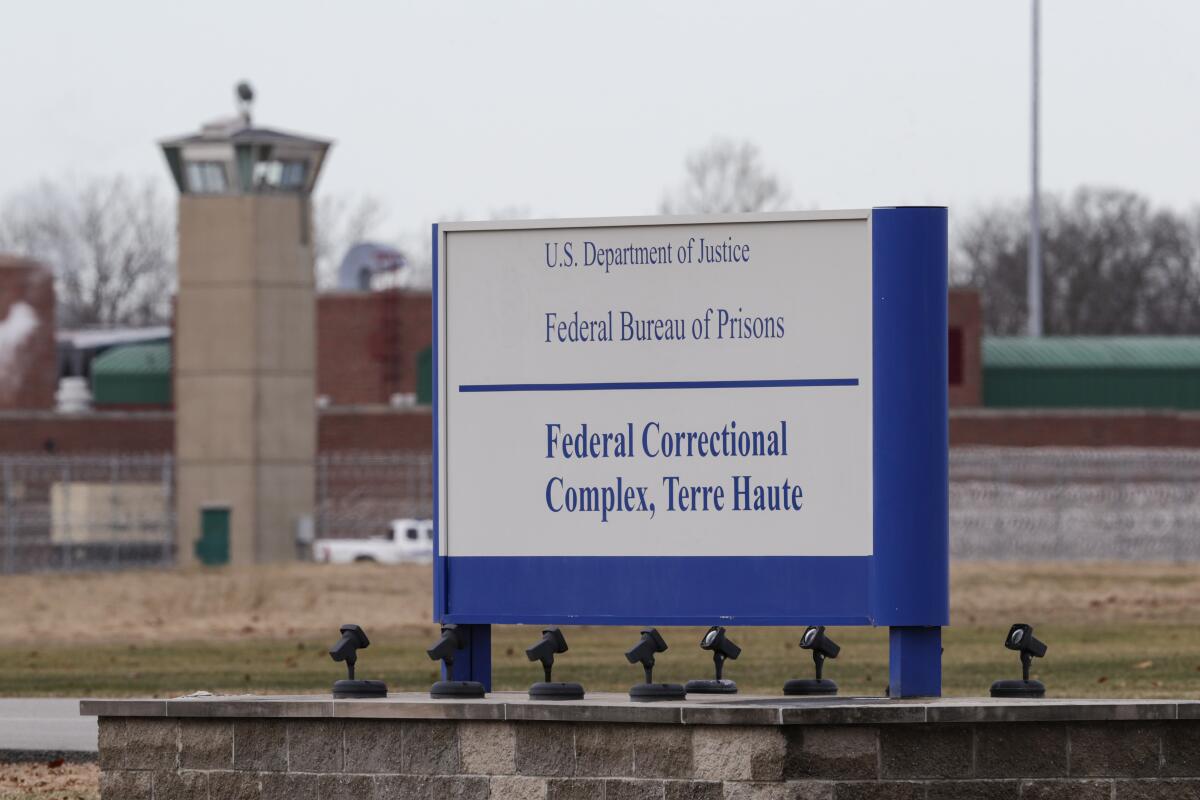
[212, 548]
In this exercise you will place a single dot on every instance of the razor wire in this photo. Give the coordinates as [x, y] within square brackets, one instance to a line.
[86, 512]
[360, 493]
[1075, 504]
[79, 512]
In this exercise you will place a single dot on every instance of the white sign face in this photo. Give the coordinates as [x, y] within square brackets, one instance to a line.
[656, 387]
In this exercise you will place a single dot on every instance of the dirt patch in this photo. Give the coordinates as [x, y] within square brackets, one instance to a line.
[65, 781]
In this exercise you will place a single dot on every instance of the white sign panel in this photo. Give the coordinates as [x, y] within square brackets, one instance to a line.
[656, 387]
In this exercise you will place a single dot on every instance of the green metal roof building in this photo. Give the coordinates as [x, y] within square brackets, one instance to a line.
[1092, 372]
[133, 375]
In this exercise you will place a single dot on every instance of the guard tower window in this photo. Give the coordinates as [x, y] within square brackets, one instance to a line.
[206, 177]
[287, 175]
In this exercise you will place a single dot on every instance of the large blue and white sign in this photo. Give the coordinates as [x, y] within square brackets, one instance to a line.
[676, 420]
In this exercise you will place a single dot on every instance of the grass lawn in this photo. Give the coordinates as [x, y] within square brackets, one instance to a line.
[1113, 630]
[1083, 661]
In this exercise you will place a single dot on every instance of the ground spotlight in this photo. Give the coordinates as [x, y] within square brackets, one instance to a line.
[552, 643]
[722, 648]
[354, 639]
[643, 652]
[1020, 638]
[443, 650]
[822, 647]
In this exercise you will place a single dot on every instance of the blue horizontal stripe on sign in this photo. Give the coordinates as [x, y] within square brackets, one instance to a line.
[639, 385]
[659, 590]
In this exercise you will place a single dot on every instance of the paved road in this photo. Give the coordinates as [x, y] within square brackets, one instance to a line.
[45, 724]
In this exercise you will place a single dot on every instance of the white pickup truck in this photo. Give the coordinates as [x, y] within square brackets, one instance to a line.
[407, 541]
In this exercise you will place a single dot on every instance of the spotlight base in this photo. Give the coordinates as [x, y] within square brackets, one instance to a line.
[810, 686]
[650, 692]
[556, 691]
[723, 686]
[348, 689]
[457, 689]
[1015, 688]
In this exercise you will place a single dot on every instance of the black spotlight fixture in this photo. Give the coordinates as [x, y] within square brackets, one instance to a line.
[552, 643]
[722, 648]
[1020, 638]
[651, 642]
[822, 647]
[353, 639]
[444, 650]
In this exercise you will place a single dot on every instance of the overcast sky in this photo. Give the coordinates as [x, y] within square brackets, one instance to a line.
[573, 109]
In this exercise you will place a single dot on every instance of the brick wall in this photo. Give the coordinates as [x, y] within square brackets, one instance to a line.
[28, 367]
[338, 429]
[385, 429]
[269, 759]
[966, 355]
[96, 432]
[1071, 428]
[368, 342]
[377, 428]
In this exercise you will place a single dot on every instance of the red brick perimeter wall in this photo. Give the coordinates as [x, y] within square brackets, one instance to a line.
[1074, 428]
[29, 376]
[368, 343]
[340, 429]
[387, 429]
[153, 432]
[966, 337]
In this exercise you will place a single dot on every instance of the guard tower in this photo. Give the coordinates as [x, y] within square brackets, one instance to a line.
[245, 352]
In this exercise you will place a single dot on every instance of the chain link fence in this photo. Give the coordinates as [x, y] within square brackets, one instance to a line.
[111, 512]
[86, 512]
[90, 512]
[359, 493]
[1075, 504]
[1005, 503]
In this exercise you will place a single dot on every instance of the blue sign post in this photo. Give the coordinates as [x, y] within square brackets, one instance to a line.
[732, 420]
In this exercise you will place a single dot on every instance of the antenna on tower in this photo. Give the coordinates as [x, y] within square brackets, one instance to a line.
[245, 100]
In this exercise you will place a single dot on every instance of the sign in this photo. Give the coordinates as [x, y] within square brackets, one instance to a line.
[692, 420]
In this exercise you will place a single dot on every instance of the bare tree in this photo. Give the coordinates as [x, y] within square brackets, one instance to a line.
[339, 223]
[1112, 265]
[111, 242]
[725, 177]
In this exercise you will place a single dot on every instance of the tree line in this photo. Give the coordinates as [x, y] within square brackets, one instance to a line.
[1113, 263]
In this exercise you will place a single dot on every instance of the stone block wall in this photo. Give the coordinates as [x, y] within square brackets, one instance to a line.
[164, 758]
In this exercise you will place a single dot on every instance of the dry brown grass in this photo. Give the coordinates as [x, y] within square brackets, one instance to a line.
[205, 604]
[64, 782]
[1070, 593]
[312, 599]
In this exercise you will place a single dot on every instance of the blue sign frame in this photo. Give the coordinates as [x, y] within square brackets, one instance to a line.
[904, 584]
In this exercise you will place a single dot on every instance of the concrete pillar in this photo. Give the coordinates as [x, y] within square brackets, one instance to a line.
[245, 382]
